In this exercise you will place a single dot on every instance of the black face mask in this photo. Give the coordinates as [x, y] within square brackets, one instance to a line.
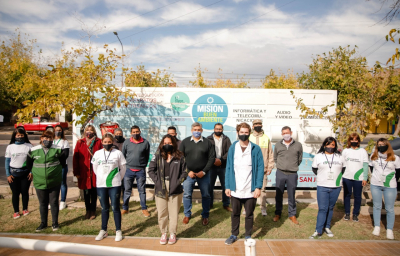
[243, 137]
[20, 139]
[47, 143]
[168, 148]
[58, 134]
[383, 149]
[258, 128]
[136, 136]
[330, 150]
[354, 144]
[119, 138]
[218, 133]
[107, 146]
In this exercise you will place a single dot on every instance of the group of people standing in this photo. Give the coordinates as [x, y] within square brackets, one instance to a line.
[107, 167]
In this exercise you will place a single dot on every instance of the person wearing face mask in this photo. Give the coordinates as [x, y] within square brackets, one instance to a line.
[329, 167]
[356, 175]
[83, 169]
[136, 151]
[61, 141]
[46, 161]
[385, 168]
[168, 170]
[200, 156]
[172, 131]
[243, 180]
[221, 143]
[261, 139]
[288, 155]
[109, 165]
[19, 176]
[119, 138]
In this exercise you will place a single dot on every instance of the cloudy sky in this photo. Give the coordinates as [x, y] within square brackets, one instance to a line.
[238, 36]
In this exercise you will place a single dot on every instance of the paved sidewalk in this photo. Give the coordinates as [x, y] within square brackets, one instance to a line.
[217, 246]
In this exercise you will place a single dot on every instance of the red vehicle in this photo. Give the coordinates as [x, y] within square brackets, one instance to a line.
[40, 125]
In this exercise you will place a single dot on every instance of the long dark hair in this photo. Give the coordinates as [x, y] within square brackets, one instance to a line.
[326, 142]
[19, 130]
[62, 131]
[175, 152]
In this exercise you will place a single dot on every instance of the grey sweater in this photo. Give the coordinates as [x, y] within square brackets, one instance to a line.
[288, 159]
[136, 155]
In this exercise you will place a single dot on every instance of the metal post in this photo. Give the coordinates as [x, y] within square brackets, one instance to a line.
[122, 82]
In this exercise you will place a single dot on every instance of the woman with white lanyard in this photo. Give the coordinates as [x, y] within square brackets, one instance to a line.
[356, 176]
[329, 167]
[109, 165]
[61, 141]
[385, 168]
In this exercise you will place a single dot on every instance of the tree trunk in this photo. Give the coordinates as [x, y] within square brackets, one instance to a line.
[397, 131]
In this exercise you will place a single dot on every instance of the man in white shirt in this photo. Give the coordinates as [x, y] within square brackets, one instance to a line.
[243, 180]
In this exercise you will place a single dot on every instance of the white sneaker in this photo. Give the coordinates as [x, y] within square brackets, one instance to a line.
[377, 231]
[264, 212]
[389, 234]
[328, 232]
[244, 212]
[315, 235]
[118, 236]
[49, 207]
[102, 234]
[62, 205]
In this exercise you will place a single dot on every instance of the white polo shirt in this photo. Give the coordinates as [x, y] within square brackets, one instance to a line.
[243, 175]
[329, 172]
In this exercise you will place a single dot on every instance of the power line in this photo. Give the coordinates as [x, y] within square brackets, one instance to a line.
[165, 22]
[371, 45]
[227, 29]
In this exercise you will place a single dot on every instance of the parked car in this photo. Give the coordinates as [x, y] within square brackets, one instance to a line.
[40, 125]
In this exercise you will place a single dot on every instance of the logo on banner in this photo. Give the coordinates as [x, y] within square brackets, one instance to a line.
[210, 109]
[180, 101]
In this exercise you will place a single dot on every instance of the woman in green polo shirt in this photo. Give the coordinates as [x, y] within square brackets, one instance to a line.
[46, 161]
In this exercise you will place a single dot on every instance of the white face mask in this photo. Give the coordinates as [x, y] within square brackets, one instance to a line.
[287, 137]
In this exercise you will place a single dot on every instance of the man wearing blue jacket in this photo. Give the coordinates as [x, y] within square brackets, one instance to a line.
[243, 180]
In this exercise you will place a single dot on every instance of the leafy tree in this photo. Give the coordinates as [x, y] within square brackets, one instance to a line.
[282, 81]
[142, 78]
[364, 94]
[220, 81]
[18, 66]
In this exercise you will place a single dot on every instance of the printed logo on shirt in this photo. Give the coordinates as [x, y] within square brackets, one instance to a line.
[334, 162]
[353, 159]
[18, 154]
[36, 157]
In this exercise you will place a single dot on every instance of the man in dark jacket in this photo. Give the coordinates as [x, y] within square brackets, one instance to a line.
[221, 143]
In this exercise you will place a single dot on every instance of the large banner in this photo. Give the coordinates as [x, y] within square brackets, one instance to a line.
[154, 109]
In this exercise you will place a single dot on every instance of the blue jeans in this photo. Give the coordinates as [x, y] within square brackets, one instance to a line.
[204, 185]
[64, 186]
[129, 178]
[389, 194]
[220, 172]
[349, 187]
[326, 198]
[105, 195]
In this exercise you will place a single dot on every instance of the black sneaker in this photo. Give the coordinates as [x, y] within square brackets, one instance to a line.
[41, 227]
[347, 216]
[355, 218]
[55, 226]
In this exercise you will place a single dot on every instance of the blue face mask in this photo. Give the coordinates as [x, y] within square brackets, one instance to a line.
[196, 134]
[20, 140]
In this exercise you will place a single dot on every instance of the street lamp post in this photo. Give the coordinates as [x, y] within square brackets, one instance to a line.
[122, 83]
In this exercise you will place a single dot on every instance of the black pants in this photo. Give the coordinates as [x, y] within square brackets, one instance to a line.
[249, 206]
[90, 196]
[46, 197]
[291, 184]
[20, 185]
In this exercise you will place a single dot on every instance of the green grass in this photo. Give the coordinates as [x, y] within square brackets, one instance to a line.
[72, 222]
